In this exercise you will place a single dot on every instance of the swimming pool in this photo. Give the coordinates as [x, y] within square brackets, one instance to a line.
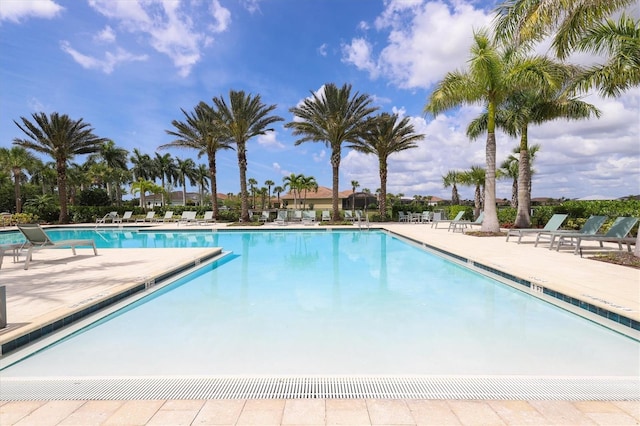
[329, 303]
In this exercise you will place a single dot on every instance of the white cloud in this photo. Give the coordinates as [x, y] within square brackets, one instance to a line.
[251, 5]
[359, 53]
[320, 156]
[18, 10]
[322, 50]
[106, 36]
[107, 64]
[169, 26]
[269, 140]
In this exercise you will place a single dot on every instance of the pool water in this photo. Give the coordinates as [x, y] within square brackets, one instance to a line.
[330, 303]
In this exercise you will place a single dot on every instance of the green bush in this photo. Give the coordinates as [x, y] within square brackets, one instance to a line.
[507, 216]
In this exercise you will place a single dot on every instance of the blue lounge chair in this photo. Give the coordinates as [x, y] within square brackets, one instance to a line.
[616, 234]
[552, 225]
[590, 227]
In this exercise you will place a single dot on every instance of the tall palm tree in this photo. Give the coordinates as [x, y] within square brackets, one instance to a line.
[333, 116]
[142, 165]
[307, 183]
[386, 134]
[62, 139]
[45, 176]
[278, 190]
[269, 184]
[165, 169]
[202, 180]
[244, 117]
[294, 183]
[509, 169]
[354, 185]
[252, 189]
[477, 178]
[114, 158]
[525, 106]
[16, 161]
[186, 172]
[452, 179]
[143, 186]
[202, 131]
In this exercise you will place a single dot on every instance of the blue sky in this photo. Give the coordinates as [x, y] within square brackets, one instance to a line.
[127, 67]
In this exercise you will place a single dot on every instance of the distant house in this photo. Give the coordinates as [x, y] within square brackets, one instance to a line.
[175, 199]
[321, 199]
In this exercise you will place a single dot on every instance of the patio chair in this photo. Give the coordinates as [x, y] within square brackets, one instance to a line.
[126, 217]
[590, 227]
[168, 217]
[438, 221]
[616, 234]
[403, 217]
[461, 224]
[552, 225]
[149, 217]
[264, 217]
[326, 216]
[348, 216]
[187, 217]
[426, 216]
[37, 239]
[308, 217]
[281, 218]
[112, 216]
[297, 216]
[207, 218]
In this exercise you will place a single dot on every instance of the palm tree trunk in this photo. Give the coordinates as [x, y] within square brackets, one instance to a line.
[514, 193]
[16, 189]
[523, 219]
[214, 185]
[335, 167]
[62, 190]
[455, 197]
[383, 190]
[490, 222]
[184, 191]
[244, 198]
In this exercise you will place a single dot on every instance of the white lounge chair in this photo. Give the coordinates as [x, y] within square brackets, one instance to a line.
[552, 225]
[207, 218]
[111, 216]
[148, 218]
[37, 239]
[281, 219]
[187, 217]
[126, 217]
[264, 217]
[308, 217]
[168, 217]
[326, 216]
[348, 216]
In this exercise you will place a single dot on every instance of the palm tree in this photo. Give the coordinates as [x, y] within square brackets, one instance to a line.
[252, 188]
[476, 177]
[452, 179]
[202, 180]
[45, 176]
[61, 138]
[203, 132]
[354, 185]
[278, 190]
[293, 182]
[242, 119]
[17, 160]
[332, 117]
[165, 169]
[115, 159]
[307, 183]
[386, 134]
[142, 165]
[269, 184]
[524, 106]
[186, 170]
[143, 186]
[509, 169]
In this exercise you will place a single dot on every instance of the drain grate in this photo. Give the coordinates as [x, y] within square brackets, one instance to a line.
[459, 387]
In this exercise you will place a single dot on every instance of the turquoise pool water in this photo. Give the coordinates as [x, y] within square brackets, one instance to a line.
[329, 303]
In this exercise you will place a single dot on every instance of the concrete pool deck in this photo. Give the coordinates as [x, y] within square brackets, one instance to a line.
[58, 282]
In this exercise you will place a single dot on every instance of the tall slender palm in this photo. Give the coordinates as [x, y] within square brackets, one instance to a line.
[525, 106]
[278, 190]
[142, 165]
[202, 180]
[509, 170]
[186, 172]
[143, 186]
[203, 132]
[307, 183]
[16, 161]
[114, 158]
[386, 134]
[244, 117]
[44, 175]
[477, 178]
[333, 116]
[165, 169]
[294, 183]
[354, 185]
[269, 184]
[452, 179]
[62, 138]
[252, 189]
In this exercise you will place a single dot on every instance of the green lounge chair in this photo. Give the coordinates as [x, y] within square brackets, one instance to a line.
[590, 227]
[37, 239]
[552, 225]
[455, 224]
[616, 234]
[437, 221]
